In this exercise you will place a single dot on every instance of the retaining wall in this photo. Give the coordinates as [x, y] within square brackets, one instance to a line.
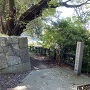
[14, 55]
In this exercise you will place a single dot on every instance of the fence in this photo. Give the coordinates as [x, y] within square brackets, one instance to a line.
[67, 55]
[69, 59]
[40, 50]
[43, 51]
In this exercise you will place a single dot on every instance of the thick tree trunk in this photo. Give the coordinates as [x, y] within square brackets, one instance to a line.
[32, 13]
[16, 28]
[10, 22]
[2, 26]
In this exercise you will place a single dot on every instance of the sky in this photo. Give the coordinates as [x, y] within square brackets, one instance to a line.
[66, 12]
[63, 13]
[69, 12]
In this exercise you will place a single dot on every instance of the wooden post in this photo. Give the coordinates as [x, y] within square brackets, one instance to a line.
[54, 55]
[78, 58]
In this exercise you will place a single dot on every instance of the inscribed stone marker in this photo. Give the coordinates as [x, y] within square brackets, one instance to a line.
[78, 58]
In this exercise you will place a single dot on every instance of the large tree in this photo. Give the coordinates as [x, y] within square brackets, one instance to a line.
[15, 27]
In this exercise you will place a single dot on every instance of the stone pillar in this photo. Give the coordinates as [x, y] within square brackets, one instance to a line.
[78, 58]
[14, 54]
[23, 49]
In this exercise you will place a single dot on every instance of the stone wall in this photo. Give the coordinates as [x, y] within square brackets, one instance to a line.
[14, 55]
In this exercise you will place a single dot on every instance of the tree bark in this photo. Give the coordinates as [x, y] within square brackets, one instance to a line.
[10, 24]
[2, 26]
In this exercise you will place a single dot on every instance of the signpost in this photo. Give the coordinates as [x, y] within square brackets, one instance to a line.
[78, 58]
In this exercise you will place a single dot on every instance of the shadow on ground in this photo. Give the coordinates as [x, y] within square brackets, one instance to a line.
[41, 63]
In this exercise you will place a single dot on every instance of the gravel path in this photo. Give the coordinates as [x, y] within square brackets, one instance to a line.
[11, 80]
[41, 64]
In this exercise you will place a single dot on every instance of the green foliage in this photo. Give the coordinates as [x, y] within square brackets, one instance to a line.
[86, 57]
[67, 33]
[48, 12]
[64, 32]
[2, 6]
[23, 5]
[53, 2]
[34, 28]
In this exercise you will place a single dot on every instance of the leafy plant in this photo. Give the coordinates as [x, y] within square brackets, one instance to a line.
[86, 57]
[67, 33]
[64, 32]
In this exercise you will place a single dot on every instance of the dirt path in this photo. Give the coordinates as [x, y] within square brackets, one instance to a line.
[41, 62]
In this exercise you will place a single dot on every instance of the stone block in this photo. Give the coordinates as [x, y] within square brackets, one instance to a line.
[9, 40]
[10, 51]
[1, 49]
[5, 49]
[15, 49]
[3, 41]
[23, 42]
[17, 68]
[16, 52]
[15, 46]
[3, 65]
[24, 54]
[13, 60]
[13, 53]
[15, 39]
[2, 57]
[3, 62]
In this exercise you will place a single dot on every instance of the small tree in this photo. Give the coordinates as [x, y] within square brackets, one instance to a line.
[64, 32]
[67, 33]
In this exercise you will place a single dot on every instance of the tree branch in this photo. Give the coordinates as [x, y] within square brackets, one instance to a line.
[32, 13]
[67, 5]
[36, 11]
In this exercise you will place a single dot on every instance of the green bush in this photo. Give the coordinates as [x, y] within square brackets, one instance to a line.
[86, 57]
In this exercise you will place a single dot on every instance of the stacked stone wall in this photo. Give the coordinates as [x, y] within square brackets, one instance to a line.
[14, 55]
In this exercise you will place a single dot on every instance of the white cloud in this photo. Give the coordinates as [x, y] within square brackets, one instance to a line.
[66, 12]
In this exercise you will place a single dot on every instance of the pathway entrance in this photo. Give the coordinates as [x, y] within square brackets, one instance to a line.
[41, 62]
[52, 79]
[42, 77]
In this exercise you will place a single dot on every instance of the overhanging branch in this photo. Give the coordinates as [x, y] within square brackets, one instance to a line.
[32, 13]
[36, 11]
[67, 5]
